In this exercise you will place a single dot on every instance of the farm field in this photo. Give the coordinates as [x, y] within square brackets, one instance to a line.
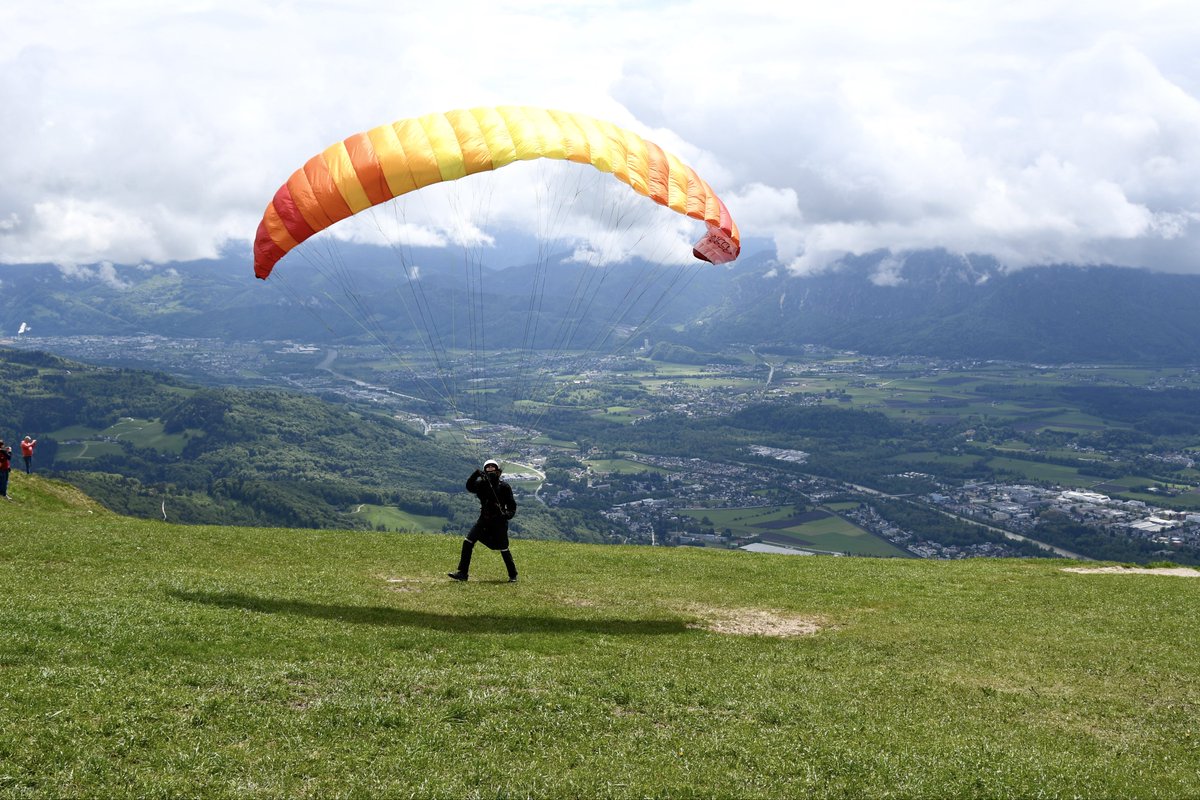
[817, 530]
[622, 414]
[623, 466]
[90, 443]
[931, 458]
[833, 534]
[1038, 471]
[559, 443]
[395, 519]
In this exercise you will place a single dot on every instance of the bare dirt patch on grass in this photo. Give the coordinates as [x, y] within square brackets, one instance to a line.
[1181, 572]
[406, 584]
[754, 622]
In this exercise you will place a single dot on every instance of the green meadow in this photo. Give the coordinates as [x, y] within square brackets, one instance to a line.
[835, 535]
[1039, 471]
[143, 659]
[395, 519]
[622, 466]
[829, 534]
[621, 414]
[81, 442]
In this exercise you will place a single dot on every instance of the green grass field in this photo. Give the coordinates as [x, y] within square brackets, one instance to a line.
[740, 519]
[1039, 471]
[98, 443]
[394, 519]
[831, 534]
[560, 443]
[623, 466]
[141, 659]
[836, 535]
[928, 457]
[665, 369]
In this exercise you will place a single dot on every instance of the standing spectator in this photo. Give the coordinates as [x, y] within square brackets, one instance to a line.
[5, 466]
[27, 446]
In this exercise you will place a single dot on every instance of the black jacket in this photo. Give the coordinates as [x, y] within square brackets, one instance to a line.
[496, 499]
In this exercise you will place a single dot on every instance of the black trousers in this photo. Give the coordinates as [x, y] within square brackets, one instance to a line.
[494, 535]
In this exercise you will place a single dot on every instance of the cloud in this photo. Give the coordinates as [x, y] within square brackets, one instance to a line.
[889, 272]
[1037, 132]
[104, 272]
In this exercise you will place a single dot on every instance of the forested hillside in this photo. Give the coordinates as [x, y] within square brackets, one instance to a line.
[233, 456]
[949, 305]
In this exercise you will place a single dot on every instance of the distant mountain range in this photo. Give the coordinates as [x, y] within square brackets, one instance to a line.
[939, 304]
[928, 303]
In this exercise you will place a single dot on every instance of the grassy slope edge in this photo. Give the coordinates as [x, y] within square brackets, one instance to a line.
[146, 659]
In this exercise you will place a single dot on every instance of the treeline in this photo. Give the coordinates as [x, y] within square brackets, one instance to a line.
[44, 393]
[845, 444]
[254, 457]
[249, 457]
[1086, 466]
[673, 353]
[1161, 412]
[1152, 412]
[932, 525]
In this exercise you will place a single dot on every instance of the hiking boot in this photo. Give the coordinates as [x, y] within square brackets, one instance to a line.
[457, 575]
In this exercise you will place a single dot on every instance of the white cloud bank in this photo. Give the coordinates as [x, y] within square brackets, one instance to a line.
[1038, 132]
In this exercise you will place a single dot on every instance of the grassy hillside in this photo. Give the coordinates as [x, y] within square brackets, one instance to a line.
[134, 440]
[145, 659]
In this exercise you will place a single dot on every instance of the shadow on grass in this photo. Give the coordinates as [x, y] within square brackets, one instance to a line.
[401, 617]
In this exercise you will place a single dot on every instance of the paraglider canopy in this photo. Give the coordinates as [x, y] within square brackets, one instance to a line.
[370, 168]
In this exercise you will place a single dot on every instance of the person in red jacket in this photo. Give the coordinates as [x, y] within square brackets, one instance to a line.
[27, 446]
[5, 466]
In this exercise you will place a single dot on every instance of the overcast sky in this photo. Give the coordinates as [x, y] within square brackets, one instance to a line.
[1039, 132]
